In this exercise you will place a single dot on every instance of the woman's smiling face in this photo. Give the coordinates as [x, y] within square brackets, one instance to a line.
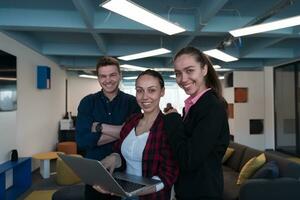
[148, 93]
[190, 74]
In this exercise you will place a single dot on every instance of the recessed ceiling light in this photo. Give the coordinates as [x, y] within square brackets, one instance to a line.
[145, 54]
[270, 26]
[163, 69]
[139, 14]
[220, 55]
[223, 70]
[130, 77]
[88, 76]
[8, 79]
[134, 67]
[217, 67]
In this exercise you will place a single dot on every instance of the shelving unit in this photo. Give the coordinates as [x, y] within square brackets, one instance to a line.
[21, 178]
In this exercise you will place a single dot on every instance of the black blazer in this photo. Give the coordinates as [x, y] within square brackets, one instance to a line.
[199, 143]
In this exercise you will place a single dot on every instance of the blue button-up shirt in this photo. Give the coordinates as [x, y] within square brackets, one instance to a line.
[98, 108]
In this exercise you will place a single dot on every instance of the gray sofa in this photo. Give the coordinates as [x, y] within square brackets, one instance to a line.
[286, 186]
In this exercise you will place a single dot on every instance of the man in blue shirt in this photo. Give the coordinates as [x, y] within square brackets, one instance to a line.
[101, 116]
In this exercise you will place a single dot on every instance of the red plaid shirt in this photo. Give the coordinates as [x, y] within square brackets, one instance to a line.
[157, 159]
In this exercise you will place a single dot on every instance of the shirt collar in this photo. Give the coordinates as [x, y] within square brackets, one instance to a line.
[106, 98]
[155, 123]
[192, 100]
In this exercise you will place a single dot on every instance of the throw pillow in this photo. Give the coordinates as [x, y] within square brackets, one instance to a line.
[228, 153]
[250, 168]
[269, 170]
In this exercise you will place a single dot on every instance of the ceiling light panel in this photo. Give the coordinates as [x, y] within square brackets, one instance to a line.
[220, 55]
[139, 14]
[271, 26]
[88, 76]
[133, 67]
[130, 77]
[145, 54]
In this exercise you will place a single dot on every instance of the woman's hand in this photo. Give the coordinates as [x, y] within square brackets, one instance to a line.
[101, 190]
[98, 188]
[111, 162]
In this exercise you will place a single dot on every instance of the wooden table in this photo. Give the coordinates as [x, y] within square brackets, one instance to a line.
[45, 162]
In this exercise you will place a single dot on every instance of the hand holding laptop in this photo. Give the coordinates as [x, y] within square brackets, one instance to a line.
[114, 161]
[92, 172]
[146, 190]
[101, 190]
[111, 162]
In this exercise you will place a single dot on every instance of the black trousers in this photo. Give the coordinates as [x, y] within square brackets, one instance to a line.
[91, 194]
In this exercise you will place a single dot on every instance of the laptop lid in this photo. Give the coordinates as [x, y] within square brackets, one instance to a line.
[92, 172]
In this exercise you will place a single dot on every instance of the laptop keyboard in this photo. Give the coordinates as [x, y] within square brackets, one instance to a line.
[129, 186]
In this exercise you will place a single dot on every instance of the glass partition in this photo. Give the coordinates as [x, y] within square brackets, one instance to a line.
[286, 94]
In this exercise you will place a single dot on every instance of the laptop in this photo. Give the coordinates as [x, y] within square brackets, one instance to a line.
[92, 172]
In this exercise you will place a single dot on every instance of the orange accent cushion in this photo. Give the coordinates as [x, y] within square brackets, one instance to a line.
[67, 147]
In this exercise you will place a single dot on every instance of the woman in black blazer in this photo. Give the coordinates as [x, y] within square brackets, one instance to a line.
[198, 139]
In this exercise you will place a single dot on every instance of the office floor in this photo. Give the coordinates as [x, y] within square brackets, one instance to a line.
[38, 183]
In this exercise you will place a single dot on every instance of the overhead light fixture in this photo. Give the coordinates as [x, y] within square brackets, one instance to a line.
[7, 79]
[163, 69]
[145, 54]
[139, 14]
[221, 77]
[220, 55]
[134, 67]
[270, 26]
[223, 70]
[172, 76]
[88, 76]
[130, 77]
[216, 66]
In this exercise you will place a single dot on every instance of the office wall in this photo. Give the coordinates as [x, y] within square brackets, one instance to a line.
[33, 127]
[79, 88]
[8, 133]
[254, 108]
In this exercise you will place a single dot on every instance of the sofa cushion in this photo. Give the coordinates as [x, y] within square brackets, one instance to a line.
[250, 167]
[269, 170]
[231, 189]
[286, 167]
[273, 189]
[248, 154]
[228, 153]
[234, 161]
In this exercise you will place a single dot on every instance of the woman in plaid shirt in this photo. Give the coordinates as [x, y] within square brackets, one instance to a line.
[143, 148]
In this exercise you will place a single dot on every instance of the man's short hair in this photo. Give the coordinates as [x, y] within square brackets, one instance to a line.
[106, 60]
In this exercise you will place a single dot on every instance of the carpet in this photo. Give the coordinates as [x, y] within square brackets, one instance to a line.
[40, 195]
